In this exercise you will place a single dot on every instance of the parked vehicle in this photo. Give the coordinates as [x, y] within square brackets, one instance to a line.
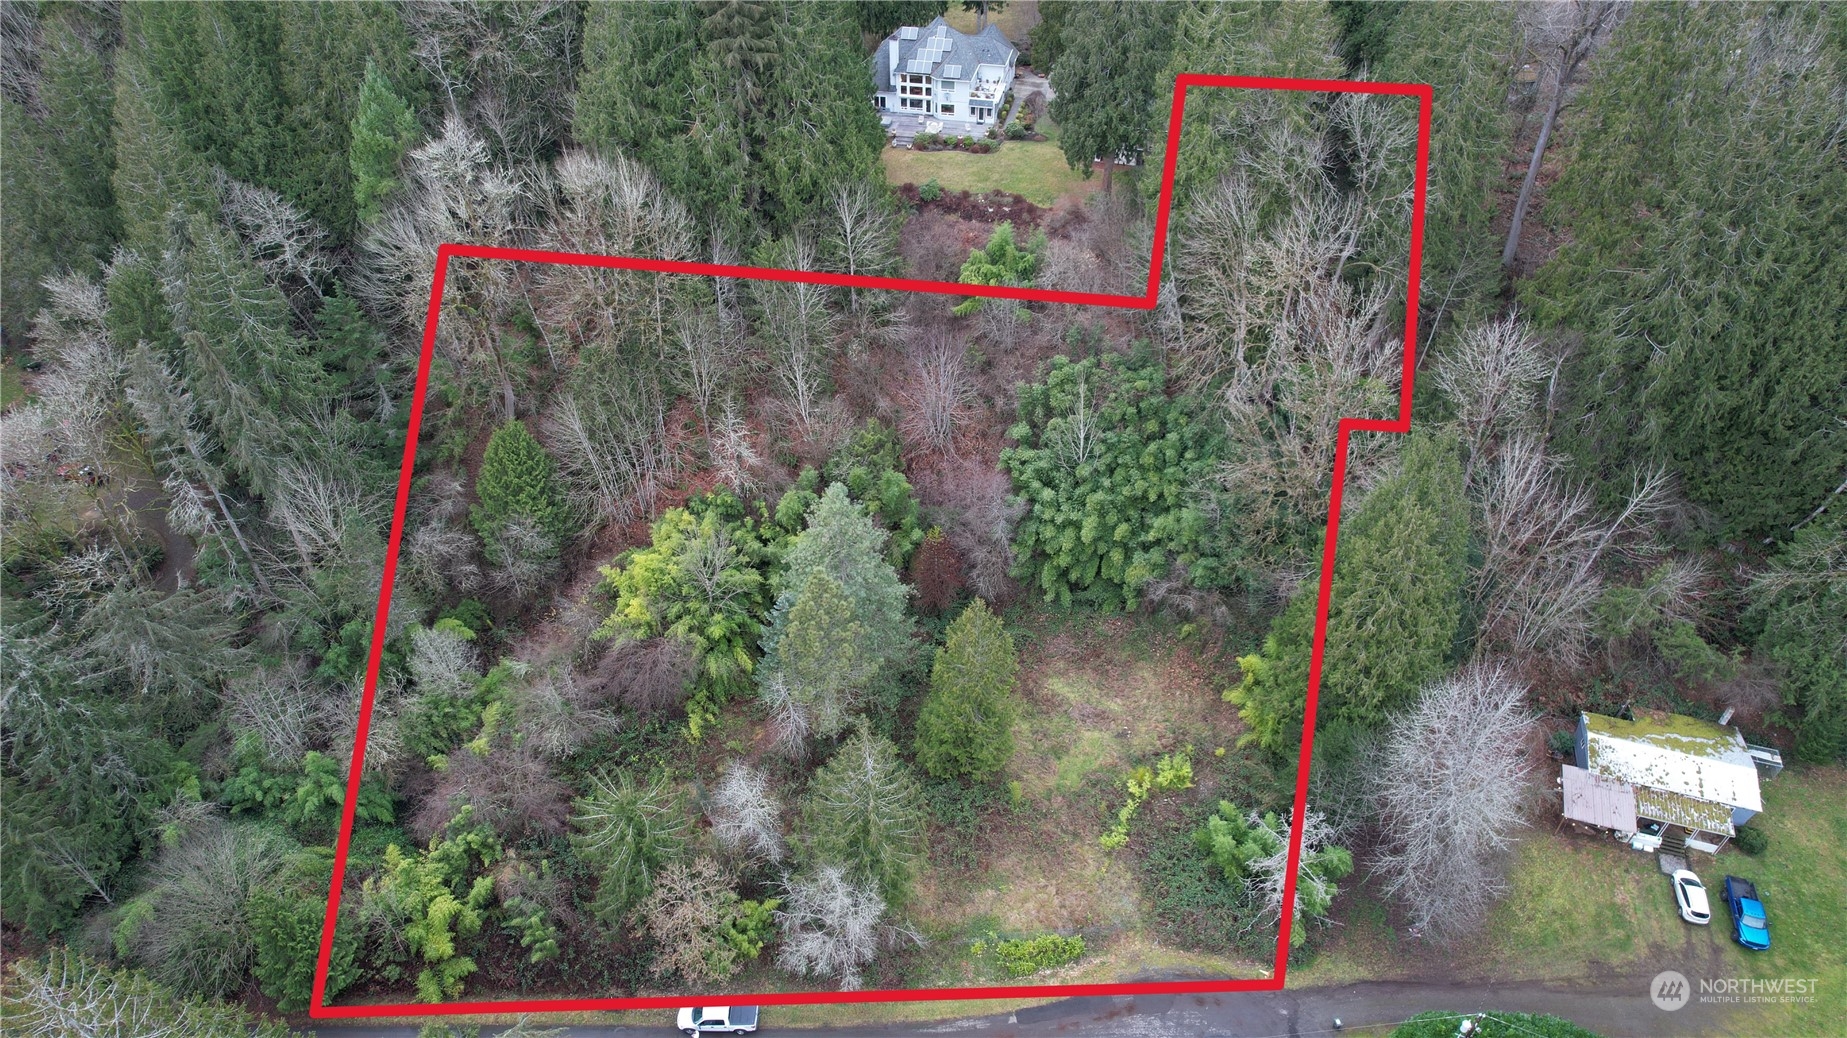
[1750, 925]
[1690, 896]
[718, 1020]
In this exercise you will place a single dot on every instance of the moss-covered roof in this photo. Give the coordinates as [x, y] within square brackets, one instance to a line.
[1676, 809]
[1676, 732]
[1674, 753]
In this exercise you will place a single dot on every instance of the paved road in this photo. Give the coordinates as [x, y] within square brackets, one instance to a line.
[1617, 1006]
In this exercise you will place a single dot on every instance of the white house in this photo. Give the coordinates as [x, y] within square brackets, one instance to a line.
[942, 75]
[1664, 781]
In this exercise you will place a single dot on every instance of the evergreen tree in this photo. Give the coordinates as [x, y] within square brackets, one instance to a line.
[699, 581]
[1704, 180]
[1251, 39]
[267, 91]
[1462, 51]
[864, 811]
[842, 542]
[881, 18]
[1393, 610]
[55, 172]
[1109, 84]
[155, 171]
[382, 130]
[1048, 37]
[626, 830]
[822, 656]
[329, 53]
[219, 66]
[966, 725]
[1801, 604]
[1365, 27]
[518, 479]
[1000, 262]
[763, 102]
[286, 926]
[1273, 689]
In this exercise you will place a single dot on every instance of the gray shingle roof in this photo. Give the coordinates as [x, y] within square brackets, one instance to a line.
[941, 50]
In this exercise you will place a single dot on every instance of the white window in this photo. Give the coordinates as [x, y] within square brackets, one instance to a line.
[949, 109]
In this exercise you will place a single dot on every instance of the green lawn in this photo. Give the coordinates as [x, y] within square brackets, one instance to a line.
[1034, 170]
[1015, 21]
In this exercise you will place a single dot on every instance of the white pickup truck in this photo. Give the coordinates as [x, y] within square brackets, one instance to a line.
[718, 1020]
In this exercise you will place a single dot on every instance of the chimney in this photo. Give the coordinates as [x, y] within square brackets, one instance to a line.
[1726, 717]
[894, 61]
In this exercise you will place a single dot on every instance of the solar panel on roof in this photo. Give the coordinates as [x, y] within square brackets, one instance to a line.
[908, 32]
[917, 65]
[952, 71]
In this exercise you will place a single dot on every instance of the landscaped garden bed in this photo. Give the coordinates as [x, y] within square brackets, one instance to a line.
[985, 206]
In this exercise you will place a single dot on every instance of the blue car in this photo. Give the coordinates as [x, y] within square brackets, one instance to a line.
[1749, 924]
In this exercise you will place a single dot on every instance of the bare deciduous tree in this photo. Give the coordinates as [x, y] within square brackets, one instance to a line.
[1542, 542]
[284, 242]
[684, 918]
[861, 234]
[527, 559]
[443, 662]
[276, 706]
[974, 504]
[609, 434]
[1453, 785]
[797, 327]
[438, 556]
[832, 926]
[508, 66]
[745, 814]
[649, 675]
[790, 723]
[511, 790]
[734, 457]
[612, 207]
[314, 510]
[1268, 873]
[64, 994]
[452, 193]
[709, 352]
[556, 713]
[1491, 374]
[939, 396]
[194, 934]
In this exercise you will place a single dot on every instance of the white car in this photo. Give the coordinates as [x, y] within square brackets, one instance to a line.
[1690, 896]
[718, 1020]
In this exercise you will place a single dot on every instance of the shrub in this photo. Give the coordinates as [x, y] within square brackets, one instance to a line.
[930, 191]
[1174, 771]
[1111, 466]
[1017, 130]
[1752, 840]
[1562, 743]
[1030, 955]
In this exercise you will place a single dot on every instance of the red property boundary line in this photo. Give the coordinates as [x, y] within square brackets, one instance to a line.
[1422, 92]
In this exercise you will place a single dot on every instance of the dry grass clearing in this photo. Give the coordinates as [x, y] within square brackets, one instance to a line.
[1099, 695]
